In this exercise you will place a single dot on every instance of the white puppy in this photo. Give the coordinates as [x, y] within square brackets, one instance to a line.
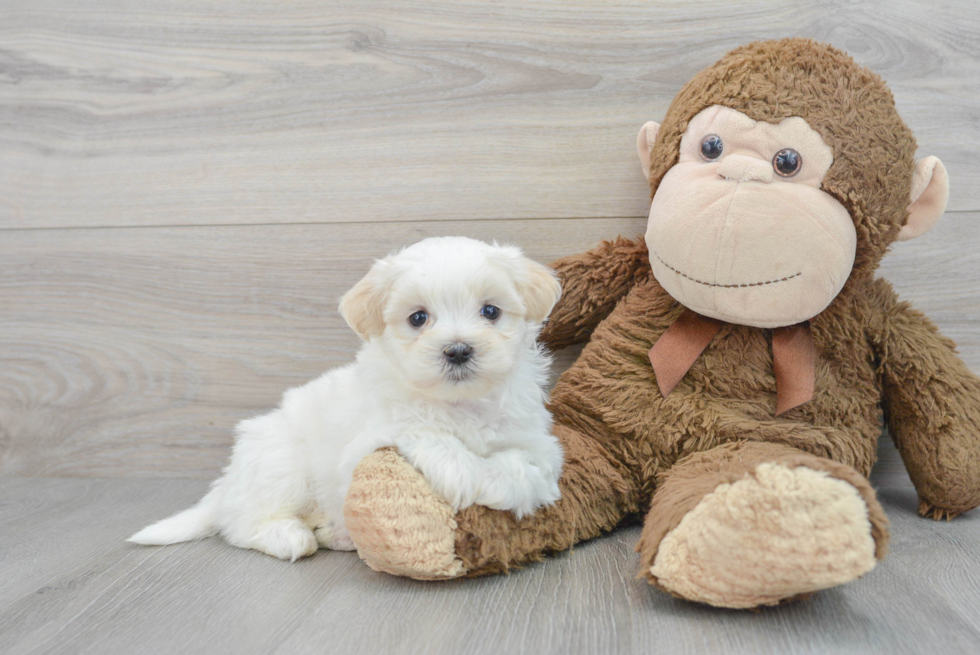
[449, 373]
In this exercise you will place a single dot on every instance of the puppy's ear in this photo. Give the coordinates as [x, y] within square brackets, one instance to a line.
[363, 306]
[537, 284]
[541, 291]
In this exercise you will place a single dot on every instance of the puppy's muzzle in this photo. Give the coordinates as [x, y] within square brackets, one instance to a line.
[458, 354]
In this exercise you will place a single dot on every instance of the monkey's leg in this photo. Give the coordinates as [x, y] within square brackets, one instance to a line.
[402, 527]
[753, 523]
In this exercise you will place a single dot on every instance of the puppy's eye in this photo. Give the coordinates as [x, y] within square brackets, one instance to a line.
[711, 147]
[418, 319]
[490, 312]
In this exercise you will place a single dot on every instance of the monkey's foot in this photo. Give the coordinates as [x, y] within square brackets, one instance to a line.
[398, 523]
[777, 533]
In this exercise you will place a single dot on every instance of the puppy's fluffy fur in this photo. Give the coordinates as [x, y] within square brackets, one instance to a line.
[462, 396]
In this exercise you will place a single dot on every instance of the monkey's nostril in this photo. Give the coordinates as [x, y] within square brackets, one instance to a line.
[458, 353]
[741, 168]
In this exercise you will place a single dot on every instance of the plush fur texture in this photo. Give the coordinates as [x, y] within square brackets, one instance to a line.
[476, 428]
[410, 537]
[778, 529]
[633, 454]
[750, 246]
[849, 106]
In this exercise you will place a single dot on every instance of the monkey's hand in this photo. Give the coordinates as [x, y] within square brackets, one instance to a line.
[592, 283]
[932, 402]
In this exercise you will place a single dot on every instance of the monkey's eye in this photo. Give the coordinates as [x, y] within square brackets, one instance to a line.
[711, 147]
[787, 162]
[418, 319]
[490, 312]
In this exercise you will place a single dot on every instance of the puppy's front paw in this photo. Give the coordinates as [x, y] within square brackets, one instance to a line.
[513, 481]
[451, 470]
[459, 486]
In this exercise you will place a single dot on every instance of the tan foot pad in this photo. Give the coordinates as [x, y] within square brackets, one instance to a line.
[398, 523]
[770, 536]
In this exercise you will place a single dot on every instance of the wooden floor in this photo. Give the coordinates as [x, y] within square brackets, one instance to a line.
[187, 188]
[71, 585]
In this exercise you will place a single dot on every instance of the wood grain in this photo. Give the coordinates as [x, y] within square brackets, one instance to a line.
[133, 352]
[71, 584]
[187, 188]
[173, 113]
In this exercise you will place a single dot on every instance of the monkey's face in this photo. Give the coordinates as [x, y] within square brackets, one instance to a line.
[739, 228]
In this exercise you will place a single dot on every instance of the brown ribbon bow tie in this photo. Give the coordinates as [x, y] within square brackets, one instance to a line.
[793, 356]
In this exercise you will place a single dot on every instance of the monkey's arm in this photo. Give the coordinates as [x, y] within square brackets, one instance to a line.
[932, 402]
[592, 283]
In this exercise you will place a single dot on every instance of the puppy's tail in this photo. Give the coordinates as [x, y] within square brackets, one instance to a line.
[194, 523]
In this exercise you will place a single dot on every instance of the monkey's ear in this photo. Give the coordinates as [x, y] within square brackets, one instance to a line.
[363, 306]
[930, 193]
[644, 145]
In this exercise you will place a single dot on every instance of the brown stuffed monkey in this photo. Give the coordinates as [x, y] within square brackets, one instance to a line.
[740, 358]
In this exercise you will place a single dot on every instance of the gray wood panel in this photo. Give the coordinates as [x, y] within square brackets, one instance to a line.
[187, 188]
[172, 113]
[133, 352]
[70, 584]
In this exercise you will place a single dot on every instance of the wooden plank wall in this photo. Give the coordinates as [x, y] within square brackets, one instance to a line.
[187, 188]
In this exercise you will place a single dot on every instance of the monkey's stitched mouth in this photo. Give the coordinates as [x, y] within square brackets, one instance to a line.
[726, 286]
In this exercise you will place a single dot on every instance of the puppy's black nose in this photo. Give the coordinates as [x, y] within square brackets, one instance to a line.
[458, 353]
